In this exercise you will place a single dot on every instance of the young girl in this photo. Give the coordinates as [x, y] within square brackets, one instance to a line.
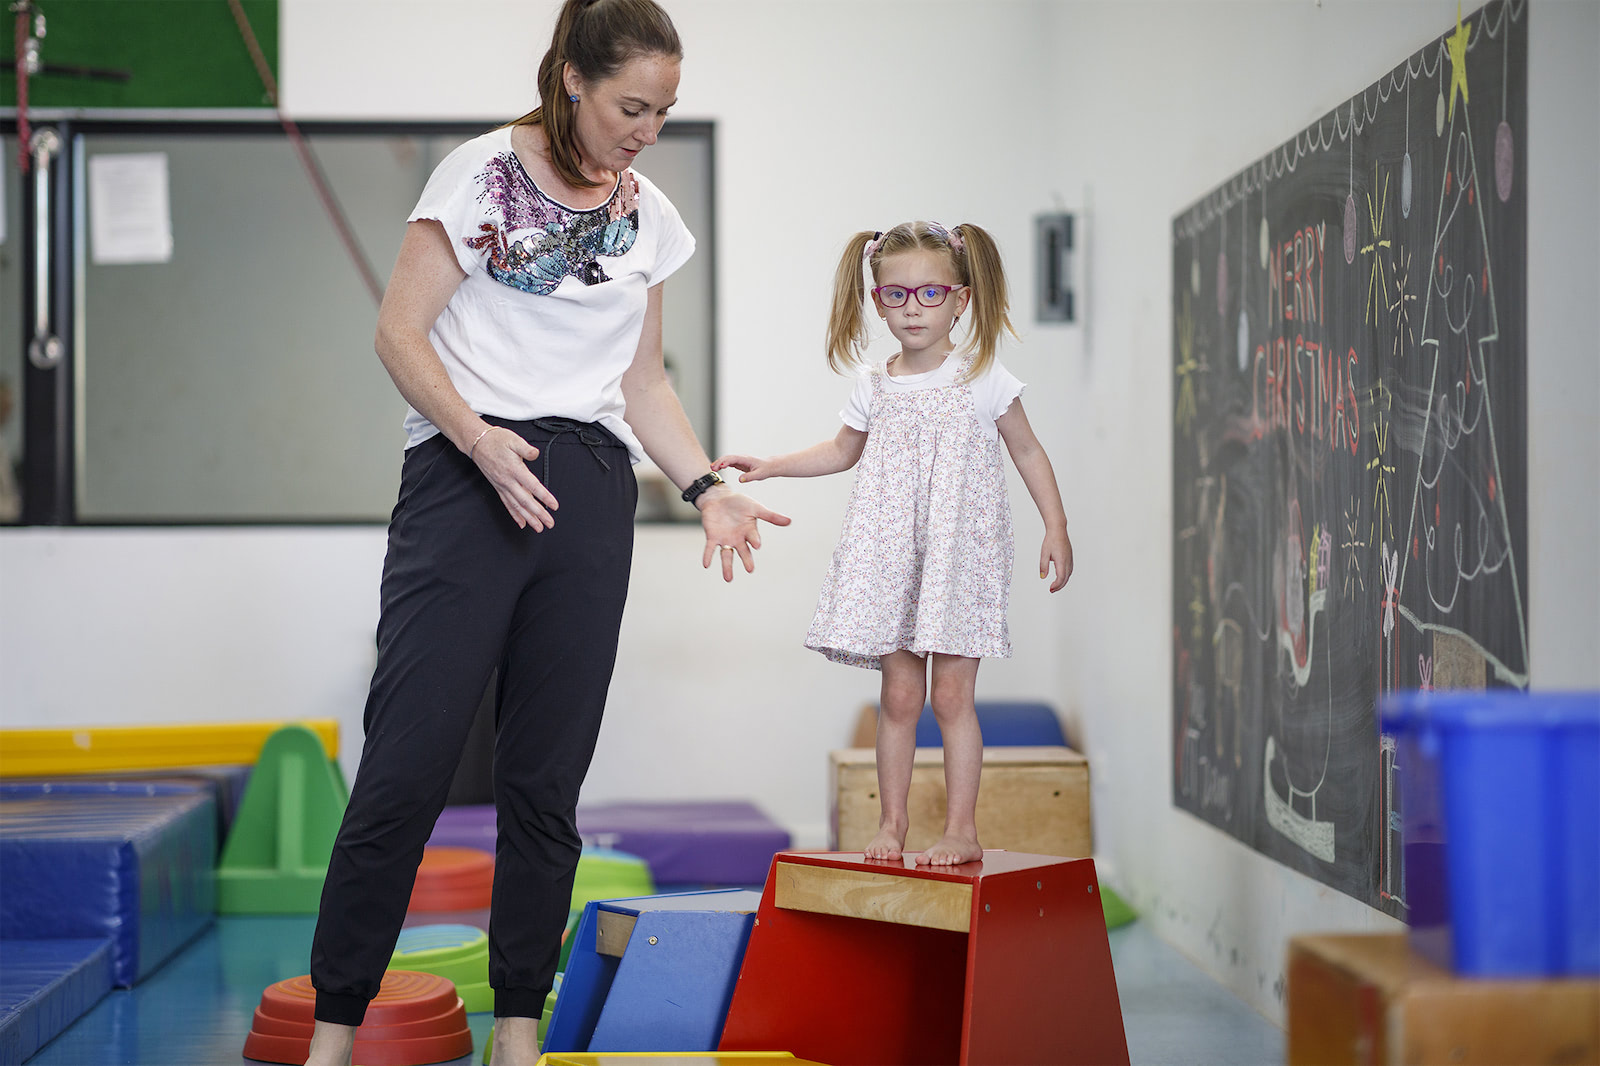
[922, 572]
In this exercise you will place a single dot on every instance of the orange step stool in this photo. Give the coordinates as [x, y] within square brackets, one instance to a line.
[415, 1018]
[863, 961]
[452, 879]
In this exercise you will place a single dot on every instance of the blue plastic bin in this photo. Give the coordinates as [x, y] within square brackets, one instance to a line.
[1500, 798]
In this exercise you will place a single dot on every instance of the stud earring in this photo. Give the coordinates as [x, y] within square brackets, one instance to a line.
[573, 97]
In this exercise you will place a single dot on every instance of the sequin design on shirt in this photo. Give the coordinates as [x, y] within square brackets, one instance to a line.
[536, 242]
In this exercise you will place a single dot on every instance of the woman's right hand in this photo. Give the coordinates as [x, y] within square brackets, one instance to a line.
[752, 468]
[503, 456]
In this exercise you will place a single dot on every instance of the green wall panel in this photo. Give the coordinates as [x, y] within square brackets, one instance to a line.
[178, 53]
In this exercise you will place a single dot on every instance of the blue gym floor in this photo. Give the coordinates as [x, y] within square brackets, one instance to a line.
[197, 1008]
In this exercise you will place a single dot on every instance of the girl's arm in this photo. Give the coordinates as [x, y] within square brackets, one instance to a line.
[425, 276]
[829, 457]
[655, 414]
[1034, 466]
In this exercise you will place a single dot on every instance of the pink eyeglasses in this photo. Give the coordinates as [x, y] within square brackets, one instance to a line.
[927, 295]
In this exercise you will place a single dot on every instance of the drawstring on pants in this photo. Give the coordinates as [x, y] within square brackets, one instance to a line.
[586, 434]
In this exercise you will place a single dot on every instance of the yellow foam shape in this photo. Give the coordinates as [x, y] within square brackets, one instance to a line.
[683, 1058]
[97, 749]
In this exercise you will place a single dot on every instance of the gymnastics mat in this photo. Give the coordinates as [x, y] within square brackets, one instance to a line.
[469, 825]
[46, 985]
[96, 749]
[225, 783]
[131, 865]
[689, 842]
[1005, 724]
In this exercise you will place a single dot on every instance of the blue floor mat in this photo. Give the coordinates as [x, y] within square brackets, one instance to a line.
[133, 863]
[45, 986]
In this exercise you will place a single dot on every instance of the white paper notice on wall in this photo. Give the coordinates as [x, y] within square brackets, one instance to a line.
[130, 210]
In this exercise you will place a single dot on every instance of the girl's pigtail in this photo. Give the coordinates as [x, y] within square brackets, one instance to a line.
[989, 304]
[847, 325]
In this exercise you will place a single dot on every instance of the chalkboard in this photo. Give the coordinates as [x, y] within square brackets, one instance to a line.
[1350, 450]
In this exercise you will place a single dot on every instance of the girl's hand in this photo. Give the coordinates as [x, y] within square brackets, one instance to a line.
[730, 521]
[1058, 550]
[753, 469]
[504, 457]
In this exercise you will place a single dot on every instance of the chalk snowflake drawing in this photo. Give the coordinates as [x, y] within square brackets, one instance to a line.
[1400, 308]
[1353, 547]
[1379, 242]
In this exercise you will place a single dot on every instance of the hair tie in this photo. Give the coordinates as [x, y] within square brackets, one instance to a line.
[951, 237]
[872, 246]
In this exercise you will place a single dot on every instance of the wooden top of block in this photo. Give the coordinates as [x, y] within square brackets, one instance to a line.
[1055, 755]
[1386, 961]
[852, 886]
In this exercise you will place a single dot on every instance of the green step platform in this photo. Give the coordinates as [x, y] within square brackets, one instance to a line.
[459, 953]
[604, 873]
[276, 856]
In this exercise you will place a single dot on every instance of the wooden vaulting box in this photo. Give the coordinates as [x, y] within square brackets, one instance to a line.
[1370, 998]
[1033, 800]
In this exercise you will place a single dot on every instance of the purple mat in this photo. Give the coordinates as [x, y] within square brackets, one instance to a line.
[696, 842]
[470, 825]
[684, 842]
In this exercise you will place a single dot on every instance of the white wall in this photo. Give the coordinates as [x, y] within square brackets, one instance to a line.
[1129, 108]
[1194, 92]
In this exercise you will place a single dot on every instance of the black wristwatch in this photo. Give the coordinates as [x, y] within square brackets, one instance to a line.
[701, 483]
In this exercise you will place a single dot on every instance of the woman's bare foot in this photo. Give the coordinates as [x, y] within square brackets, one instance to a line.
[515, 1042]
[889, 843]
[331, 1045]
[953, 849]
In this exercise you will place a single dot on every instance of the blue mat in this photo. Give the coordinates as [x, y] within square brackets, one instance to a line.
[1005, 724]
[225, 783]
[45, 986]
[130, 863]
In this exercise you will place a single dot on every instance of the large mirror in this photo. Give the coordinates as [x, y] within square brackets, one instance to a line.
[235, 381]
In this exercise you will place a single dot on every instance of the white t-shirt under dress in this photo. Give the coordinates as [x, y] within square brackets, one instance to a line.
[924, 560]
[552, 308]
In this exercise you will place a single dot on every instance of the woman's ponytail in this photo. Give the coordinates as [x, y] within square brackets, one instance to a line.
[596, 38]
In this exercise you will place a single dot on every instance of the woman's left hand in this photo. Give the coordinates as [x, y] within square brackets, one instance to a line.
[730, 520]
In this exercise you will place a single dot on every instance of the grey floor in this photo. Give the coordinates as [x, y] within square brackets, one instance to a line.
[1176, 1015]
[197, 1008]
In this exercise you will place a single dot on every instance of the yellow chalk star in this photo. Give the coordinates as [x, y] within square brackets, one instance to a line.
[1457, 43]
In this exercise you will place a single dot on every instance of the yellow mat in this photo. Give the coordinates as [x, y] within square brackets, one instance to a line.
[98, 749]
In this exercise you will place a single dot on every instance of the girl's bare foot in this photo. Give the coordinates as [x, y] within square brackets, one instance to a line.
[953, 849]
[331, 1045]
[888, 844]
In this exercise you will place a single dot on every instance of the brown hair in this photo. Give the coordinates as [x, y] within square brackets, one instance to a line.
[596, 38]
[976, 264]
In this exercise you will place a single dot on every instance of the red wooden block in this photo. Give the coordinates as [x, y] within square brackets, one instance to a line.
[861, 961]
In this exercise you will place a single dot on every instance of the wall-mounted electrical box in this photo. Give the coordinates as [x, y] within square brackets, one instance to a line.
[1053, 259]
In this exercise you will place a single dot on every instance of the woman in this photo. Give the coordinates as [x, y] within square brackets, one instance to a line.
[523, 325]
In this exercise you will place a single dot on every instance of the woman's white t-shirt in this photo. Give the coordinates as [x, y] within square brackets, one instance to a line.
[992, 391]
[552, 308]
